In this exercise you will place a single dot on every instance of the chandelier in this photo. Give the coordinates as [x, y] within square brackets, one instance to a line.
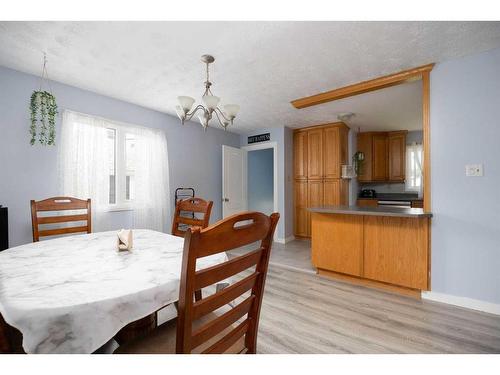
[210, 108]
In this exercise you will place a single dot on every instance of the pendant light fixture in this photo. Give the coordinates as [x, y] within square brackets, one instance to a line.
[210, 108]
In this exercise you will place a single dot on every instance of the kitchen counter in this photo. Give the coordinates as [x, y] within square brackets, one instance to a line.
[373, 211]
[394, 197]
[384, 247]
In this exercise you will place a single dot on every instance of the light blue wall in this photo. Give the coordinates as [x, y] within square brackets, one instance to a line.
[261, 181]
[465, 128]
[283, 139]
[30, 172]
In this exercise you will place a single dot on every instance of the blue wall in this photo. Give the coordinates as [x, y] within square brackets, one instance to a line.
[465, 128]
[282, 136]
[260, 181]
[30, 172]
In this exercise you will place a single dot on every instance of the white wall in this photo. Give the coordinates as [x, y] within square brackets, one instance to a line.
[465, 128]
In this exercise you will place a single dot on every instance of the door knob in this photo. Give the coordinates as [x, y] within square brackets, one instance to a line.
[225, 199]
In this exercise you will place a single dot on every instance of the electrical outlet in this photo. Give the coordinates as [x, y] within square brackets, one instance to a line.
[474, 170]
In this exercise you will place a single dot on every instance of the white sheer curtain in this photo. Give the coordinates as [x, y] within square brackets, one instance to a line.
[84, 170]
[83, 163]
[152, 198]
[414, 177]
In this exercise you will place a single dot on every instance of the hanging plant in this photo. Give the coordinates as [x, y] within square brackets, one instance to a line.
[43, 108]
[43, 112]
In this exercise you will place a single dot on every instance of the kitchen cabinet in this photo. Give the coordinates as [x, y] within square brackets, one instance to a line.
[344, 241]
[379, 163]
[396, 250]
[365, 145]
[397, 156]
[301, 213]
[315, 154]
[319, 153]
[335, 192]
[385, 156]
[300, 155]
[390, 252]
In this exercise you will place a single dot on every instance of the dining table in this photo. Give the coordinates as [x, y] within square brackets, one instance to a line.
[73, 294]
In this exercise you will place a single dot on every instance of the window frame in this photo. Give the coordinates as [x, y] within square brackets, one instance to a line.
[121, 203]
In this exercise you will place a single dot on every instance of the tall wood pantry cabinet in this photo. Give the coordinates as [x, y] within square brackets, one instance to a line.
[319, 153]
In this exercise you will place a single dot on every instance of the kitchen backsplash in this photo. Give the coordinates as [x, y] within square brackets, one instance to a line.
[384, 188]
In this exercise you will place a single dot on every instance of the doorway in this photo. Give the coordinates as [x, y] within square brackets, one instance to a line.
[250, 178]
[260, 177]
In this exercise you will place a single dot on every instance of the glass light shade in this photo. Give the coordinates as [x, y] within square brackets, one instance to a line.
[203, 119]
[211, 101]
[231, 110]
[186, 103]
[180, 112]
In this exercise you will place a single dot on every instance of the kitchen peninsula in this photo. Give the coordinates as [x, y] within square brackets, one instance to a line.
[385, 247]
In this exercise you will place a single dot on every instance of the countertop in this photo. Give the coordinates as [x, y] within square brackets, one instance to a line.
[372, 211]
[394, 197]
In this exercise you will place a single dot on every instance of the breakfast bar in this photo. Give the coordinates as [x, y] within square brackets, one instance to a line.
[385, 247]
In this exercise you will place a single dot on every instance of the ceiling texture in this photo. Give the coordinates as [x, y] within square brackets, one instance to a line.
[260, 65]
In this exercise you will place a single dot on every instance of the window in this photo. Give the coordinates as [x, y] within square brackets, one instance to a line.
[121, 160]
[119, 166]
[414, 168]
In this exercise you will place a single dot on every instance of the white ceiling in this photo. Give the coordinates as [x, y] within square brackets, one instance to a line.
[393, 108]
[260, 65]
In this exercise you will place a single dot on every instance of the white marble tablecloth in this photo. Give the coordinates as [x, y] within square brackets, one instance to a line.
[72, 294]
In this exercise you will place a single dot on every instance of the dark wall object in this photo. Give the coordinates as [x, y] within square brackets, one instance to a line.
[4, 228]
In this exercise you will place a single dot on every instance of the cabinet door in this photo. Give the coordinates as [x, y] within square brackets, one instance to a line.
[331, 192]
[314, 198]
[338, 243]
[331, 152]
[380, 167]
[315, 154]
[364, 143]
[300, 155]
[397, 156]
[301, 214]
[396, 256]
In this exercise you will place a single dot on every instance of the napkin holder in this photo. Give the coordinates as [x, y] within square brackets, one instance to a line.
[125, 240]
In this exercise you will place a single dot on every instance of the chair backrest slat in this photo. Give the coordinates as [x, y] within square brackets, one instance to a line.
[217, 325]
[190, 206]
[215, 301]
[56, 204]
[219, 272]
[235, 231]
[228, 340]
[61, 219]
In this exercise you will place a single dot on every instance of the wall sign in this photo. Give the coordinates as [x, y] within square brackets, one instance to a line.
[259, 138]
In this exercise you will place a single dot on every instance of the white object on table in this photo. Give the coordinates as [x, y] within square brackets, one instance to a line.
[125, 240]
[72, 294]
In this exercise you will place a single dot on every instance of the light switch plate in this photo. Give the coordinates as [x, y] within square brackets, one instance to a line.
[474, 170]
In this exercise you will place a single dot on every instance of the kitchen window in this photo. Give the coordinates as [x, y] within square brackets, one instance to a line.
[414, 159]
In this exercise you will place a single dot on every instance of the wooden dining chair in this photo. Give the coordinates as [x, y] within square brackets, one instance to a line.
[201, 327]
[191, 207]
[56, 204]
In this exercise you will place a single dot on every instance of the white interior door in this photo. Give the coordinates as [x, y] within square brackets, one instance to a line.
[232, 181]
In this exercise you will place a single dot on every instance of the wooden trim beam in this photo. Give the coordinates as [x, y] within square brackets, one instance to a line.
[362, 87]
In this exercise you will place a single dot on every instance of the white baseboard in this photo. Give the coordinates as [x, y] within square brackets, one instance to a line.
[284, 240]
[469, 303]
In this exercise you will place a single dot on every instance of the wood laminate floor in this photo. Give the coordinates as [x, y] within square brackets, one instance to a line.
[306, 313]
